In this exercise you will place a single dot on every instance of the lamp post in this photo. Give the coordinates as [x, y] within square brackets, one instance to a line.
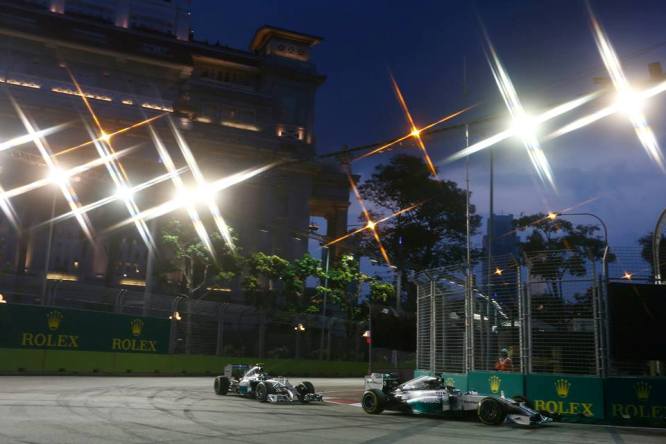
[656, 241]
[555, 215]
[49, 243]
[324, 307]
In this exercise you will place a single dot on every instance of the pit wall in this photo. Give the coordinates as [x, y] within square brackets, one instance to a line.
[630, 401]
[69, 362]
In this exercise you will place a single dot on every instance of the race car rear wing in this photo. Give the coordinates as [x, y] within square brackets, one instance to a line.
[236, 371]
[381, 381]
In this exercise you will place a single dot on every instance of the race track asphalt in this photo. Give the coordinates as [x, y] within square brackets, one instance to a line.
[164, 410]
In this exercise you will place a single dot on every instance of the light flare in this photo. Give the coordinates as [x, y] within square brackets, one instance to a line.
[214, 209]
[628, 101]
[505, 134]
[62, 176]
[523, 125]
[65, 186]
[176, 203]
[371, 224]
[104, 147]
[118, 195]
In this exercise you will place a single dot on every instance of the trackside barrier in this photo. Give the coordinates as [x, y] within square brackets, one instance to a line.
[494, 383]
[26, 362]
[629, 401]
[636, 401]
[573, 398]
[457, 380]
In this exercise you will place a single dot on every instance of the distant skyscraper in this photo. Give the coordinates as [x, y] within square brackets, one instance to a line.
[505, 240]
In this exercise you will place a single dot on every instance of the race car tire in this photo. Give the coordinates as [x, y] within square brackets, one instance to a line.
[491, 411]
[222, 385]
[262, 391]
[303, 389]
[373, 401]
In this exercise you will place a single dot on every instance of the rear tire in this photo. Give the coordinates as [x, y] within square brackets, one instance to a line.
[491, 411]
[262, 391]
[373, 401]
[222, 385]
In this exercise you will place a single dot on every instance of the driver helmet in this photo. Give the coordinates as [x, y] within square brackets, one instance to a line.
[432, 383]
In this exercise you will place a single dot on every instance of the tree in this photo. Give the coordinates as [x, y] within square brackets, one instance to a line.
[184, 256]
[434, 233]
[646, 251]
[557, 248]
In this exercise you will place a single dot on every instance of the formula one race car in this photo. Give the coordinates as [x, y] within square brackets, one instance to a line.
[428, 395]
[256, 383]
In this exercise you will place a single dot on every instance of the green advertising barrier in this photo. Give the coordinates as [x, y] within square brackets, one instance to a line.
[48, 328]
[457, 380]
[14, 361]
[636, 401]
[494, 383]
[419, 372]
[572, 398]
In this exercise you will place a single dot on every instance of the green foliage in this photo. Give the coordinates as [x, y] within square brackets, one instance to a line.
[182, 252]
[557, 248]
[431, 235]
[646, 250]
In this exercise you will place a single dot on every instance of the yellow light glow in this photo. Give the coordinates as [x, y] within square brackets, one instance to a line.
[552, 215]
[133, 282]
[371, 225]
[524, 126]
[2, 299]
[175, 316]
[627, 275]
[61, 277]
[498, 271]
[104, 136]
[415, 132]
[58, 177]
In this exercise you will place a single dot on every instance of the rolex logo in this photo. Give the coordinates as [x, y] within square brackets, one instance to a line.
[53, 320]
[136, 326]
[495, 383]
[562, 387]
[450, 382]
[642, 390]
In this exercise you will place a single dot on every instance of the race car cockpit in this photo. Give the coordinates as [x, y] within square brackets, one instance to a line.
[423, 383]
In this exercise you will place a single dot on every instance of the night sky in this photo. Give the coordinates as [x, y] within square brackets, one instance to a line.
[548, 50]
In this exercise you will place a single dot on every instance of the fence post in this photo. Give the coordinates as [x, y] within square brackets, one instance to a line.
[528, 323]
[469, 323]
[521, 318]
[219, 349]
[596, 324]
[433, 325]
[419, 352]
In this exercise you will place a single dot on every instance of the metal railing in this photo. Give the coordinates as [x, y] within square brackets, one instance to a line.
[546, 311]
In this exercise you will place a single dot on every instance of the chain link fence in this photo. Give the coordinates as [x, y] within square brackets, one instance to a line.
[545, 311]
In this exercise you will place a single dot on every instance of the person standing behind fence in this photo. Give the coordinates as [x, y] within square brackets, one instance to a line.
[504, 363]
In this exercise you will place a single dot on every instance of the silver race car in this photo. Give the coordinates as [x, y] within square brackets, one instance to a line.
[428, 395]
[256, 383]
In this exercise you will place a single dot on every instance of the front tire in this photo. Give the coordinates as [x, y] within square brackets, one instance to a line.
[262, 391]
[491, 411]
[222, 385]
[373, 401]
[303, 389]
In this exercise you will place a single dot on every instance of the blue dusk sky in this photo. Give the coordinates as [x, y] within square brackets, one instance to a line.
[548, 50]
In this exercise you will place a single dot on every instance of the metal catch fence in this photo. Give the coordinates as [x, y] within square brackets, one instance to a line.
[543, 312]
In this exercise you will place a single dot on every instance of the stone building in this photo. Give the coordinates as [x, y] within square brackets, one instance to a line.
[237, 109]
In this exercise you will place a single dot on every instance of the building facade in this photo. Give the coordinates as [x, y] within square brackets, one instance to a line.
[236, 109]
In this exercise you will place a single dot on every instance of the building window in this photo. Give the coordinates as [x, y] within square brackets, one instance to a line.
[227, 75]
